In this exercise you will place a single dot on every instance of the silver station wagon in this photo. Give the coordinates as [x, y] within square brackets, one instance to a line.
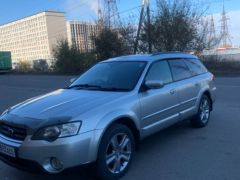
[101, 117]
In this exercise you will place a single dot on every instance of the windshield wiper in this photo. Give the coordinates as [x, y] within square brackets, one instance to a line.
[114, 89]
[98, 87]
[84, 86]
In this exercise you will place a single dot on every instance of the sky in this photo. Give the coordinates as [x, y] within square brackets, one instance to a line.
[86, 10]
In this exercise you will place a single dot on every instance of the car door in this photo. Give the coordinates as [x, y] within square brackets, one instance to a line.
[187, 87]
[159, 107]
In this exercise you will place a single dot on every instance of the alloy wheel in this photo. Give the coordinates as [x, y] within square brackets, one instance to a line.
[118, 153]
[204, 110]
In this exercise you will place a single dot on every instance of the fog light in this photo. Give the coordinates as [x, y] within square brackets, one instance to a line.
[56, 164]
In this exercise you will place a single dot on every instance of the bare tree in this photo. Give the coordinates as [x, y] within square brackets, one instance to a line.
[128, 31]
[110, 43]
[177, 25]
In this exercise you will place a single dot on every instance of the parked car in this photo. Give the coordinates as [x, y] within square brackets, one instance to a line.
[104, 113]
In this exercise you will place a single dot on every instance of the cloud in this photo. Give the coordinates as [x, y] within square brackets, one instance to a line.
[81, 9]
[233, 25]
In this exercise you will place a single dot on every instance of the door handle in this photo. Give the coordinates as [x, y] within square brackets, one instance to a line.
[172, 91]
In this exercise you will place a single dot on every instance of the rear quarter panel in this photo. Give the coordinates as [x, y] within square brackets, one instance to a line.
[207, 84]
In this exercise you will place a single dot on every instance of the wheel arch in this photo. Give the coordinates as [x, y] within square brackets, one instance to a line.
[130, 123]
[208, 94]
[127, 121]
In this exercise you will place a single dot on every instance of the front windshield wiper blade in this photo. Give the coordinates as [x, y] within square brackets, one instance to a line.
[98, 87]
[84, 86]
[114, 89]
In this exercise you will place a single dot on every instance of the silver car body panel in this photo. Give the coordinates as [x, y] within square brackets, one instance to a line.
[150, 111]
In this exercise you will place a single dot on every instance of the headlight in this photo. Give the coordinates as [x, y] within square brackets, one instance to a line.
[59, 131]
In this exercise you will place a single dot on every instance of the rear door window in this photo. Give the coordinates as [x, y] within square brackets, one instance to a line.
[179, 69]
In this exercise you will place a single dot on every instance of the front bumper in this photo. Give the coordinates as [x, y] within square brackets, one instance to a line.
[69, 152]
[23, 164]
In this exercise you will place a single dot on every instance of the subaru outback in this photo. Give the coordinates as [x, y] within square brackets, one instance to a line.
[103, 114]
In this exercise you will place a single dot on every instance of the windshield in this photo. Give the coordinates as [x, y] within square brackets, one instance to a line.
[111, 76]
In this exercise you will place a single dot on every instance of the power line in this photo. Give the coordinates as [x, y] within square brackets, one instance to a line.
[202, 2]
[128, 10]
[79, 5]
[122, 12]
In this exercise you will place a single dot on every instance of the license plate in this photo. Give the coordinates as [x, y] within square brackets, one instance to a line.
[7, 150]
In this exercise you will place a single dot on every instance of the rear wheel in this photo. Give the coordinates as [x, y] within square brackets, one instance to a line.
[203, 115]
[115, 152]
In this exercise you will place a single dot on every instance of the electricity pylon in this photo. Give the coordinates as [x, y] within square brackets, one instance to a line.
[225, 36]
[212, 34]
[111, 14]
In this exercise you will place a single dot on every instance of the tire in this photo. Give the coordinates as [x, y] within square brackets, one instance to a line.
[119, 156]
[202, 117]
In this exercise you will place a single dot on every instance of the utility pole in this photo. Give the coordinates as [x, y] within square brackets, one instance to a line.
[149, 27]
[139, 27]
[99, 11]
[109, 14]
[145, 3]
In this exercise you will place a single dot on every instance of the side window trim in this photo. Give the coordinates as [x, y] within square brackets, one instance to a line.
[170, 68]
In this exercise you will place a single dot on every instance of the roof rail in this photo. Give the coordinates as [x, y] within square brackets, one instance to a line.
[167, 52]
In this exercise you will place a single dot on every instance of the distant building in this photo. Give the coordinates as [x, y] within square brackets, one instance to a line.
[80, 35]
[33, 37]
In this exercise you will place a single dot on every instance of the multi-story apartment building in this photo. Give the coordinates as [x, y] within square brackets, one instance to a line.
[33, 37]
[80, 34]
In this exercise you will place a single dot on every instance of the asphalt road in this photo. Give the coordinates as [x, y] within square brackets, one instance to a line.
[177, 153]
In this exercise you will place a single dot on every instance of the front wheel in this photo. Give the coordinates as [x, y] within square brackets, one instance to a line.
[203, 115]
[115, 152]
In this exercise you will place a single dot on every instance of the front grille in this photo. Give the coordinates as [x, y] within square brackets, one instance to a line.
[13, 132]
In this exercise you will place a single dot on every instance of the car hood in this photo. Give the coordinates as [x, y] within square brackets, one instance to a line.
[64, 103]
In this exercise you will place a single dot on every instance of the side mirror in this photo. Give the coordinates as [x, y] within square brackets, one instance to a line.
[73, 79]
[154, 84]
